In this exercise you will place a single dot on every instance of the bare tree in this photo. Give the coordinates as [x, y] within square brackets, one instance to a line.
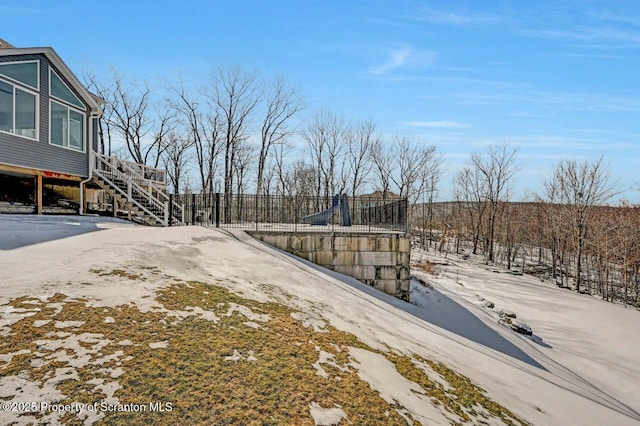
[413, 165]
[430, 174]
[280, 168]
[269, 178]
[105, 91]
[235, 95]
[627, 252]
[497, 169]
[404, 164]
[244, 156]
[325, 142]
[302, 178]
[131, 117]
[406, 157]
[555, 228]
[204, 132]
[175, 159]
[470, 192]
[581, 187]
[360, 138]
[282, 104]
[513, 232]
[383, 167]
[165, 124]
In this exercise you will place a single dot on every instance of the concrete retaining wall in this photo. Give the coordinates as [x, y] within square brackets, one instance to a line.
[379, 260]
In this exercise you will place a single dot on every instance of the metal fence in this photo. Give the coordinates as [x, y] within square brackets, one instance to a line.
[288, 213]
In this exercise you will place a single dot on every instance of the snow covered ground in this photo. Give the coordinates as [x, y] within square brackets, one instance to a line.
[580, 366]
[591, 344]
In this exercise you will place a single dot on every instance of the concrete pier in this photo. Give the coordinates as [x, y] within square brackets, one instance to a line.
[380, 260]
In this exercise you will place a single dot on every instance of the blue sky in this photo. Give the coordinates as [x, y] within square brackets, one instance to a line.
[558, 79]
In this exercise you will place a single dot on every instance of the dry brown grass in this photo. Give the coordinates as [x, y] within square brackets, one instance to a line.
[427, 267]
[461, 397]
[193, 374]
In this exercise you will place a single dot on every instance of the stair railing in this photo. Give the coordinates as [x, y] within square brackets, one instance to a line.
[155, 181]
[178, 209]
[110, 168]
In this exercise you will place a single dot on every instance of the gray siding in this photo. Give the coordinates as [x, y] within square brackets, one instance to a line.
[96, 137]
[40, 155]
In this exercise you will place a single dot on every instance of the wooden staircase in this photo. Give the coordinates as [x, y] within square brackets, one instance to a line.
[140, 188]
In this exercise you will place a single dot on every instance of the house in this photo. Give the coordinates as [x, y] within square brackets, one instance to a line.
[49, 126]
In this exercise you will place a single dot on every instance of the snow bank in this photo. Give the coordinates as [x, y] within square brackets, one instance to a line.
[587, 373]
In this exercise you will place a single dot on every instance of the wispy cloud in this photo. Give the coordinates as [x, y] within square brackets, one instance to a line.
[593, 131]
[487, 98]
[437, 124]
[552, 101]
[594, 56]
[397, 59]
[567, 145]
[461, 18]
[587, 35]
[530, 114]
[630, 19]
[550, 145]
[402, 57]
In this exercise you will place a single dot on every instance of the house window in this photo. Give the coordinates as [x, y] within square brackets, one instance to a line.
[22, 72]
[66, 127]
[25, 114]
[60, 91]
[17, 110]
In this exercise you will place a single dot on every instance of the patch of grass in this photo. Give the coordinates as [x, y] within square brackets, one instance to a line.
[461, 397]
[118, 273]
[426, 267]
[193, 373]
[222, 372]
[250, 392]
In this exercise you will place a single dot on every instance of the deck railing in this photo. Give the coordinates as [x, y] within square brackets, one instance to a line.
[129, 179]
[275, 212]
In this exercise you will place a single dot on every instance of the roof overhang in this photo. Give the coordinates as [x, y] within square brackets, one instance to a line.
[58, 63]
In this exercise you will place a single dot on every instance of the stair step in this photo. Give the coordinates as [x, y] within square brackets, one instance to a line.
[144, 209]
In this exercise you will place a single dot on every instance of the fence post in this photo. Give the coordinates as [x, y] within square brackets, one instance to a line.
[213, 208]
[193, 209]
[170, 209]
[394, 210]
[217, 210]
[406, 216]
[167, 219]
[369, 212]
[333, 221]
